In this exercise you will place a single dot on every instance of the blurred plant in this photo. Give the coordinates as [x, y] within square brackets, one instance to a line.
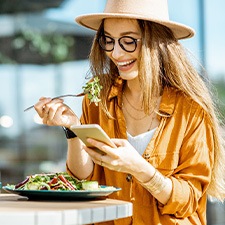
[220, 89]
[5, 59]
[55, 46]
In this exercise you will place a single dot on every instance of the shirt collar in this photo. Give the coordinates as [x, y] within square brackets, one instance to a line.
[168, 101]
[117, 90]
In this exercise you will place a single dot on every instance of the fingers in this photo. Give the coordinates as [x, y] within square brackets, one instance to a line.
[121, 159]
[101, 160]
[51, 111]
[53, 108]
[103, 147]
[97, 157]
[106, 160]
[120, 142]
[42, 107]
[39, 106]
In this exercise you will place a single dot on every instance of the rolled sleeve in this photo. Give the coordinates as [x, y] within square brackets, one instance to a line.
[178, 200]
[193, 174]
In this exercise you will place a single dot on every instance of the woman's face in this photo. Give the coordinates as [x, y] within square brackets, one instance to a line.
[126, 62]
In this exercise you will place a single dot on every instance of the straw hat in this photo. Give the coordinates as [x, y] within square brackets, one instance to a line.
[150, 10]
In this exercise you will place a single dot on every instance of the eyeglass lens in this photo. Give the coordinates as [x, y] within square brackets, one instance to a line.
[127, 43]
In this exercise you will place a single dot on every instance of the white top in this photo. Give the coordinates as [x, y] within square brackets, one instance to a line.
[141, 141]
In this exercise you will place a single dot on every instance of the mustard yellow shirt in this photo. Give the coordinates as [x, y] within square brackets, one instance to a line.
[182, 149]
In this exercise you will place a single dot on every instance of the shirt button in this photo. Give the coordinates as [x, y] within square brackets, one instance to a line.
[129, 177]
[146, 156]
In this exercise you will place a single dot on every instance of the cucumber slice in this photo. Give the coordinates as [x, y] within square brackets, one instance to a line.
[90, 185]
[32, 186]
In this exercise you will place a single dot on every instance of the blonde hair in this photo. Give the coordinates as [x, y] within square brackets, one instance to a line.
[163, 62]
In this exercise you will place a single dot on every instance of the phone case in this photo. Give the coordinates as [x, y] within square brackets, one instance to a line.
[93, 131]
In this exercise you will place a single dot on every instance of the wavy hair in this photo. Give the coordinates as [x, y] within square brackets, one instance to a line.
[164, 62]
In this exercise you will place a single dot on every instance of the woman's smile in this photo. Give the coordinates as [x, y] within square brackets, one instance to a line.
[125, 65]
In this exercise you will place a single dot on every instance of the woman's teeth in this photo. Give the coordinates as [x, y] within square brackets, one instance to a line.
[125, 63]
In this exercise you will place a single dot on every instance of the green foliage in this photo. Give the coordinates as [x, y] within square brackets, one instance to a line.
[55, 46]
[220, 88]
[5, 59]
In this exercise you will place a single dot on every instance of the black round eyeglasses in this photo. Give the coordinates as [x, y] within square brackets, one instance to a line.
[127, 43]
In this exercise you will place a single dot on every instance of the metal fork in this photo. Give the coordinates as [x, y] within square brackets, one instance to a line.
[60, 96]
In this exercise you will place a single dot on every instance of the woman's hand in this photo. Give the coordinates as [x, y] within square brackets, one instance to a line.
[124, 158]
[55, 112]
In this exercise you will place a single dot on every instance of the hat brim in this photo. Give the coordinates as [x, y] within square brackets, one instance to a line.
[93, 21]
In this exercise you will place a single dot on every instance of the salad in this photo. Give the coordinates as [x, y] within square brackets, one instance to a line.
[93, 89]
[55, 181]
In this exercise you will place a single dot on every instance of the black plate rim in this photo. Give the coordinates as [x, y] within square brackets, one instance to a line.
[76, 194]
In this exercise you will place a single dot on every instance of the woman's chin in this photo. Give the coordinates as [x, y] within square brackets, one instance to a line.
[128, 75]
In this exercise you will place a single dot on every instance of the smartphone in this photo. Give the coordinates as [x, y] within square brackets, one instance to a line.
[93, 131]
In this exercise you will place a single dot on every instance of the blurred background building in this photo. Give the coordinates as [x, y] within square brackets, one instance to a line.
[43, 52]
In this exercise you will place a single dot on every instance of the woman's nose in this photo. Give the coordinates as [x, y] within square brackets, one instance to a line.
[117, 51]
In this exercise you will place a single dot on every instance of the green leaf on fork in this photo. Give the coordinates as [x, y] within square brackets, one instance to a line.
[93, 89]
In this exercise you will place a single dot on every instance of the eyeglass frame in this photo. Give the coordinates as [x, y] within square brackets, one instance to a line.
[114, 39]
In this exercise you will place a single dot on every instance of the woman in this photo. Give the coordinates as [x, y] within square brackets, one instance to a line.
[157, 110]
